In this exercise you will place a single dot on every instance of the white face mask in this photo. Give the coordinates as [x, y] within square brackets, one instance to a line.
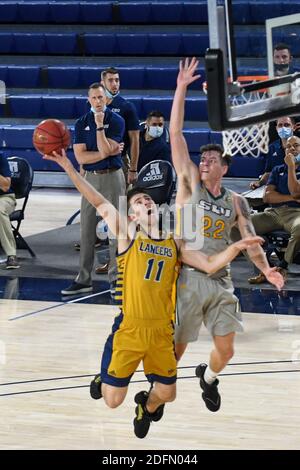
[109, 95]
[155, 131]
[95, 112]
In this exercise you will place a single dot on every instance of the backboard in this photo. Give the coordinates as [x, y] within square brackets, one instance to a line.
[240, 43]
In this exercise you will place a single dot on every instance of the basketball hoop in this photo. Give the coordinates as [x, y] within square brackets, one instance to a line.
[254, 139]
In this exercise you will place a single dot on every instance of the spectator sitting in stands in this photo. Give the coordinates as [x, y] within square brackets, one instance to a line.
[285, 127]
[283, 194]
[7, 206]
[154, 140]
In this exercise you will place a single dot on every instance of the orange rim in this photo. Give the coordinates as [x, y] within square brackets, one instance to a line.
[245, 79]
[254, 78]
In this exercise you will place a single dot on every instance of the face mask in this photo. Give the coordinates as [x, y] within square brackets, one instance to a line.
[297, 159]
[95, 112]
[285, 132]
[109, 95]
[155, 131]
[282, 68]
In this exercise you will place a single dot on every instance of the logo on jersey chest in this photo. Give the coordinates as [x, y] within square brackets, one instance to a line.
[214, 208]
[156, 250]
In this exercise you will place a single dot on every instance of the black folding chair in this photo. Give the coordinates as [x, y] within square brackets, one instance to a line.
[21, 183]
[159, 178]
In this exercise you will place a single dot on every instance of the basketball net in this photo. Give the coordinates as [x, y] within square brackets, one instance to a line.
[252, 140]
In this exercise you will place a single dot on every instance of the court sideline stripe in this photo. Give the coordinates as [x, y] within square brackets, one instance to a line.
[141, 370]
[145, 380]
[59, 305]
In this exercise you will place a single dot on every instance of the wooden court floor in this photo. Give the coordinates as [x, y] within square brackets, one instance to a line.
[47, 360]
[43, 407]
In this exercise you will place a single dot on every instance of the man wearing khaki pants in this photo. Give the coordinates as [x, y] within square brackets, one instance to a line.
[284, 213]
[7, 206]
[98, 135]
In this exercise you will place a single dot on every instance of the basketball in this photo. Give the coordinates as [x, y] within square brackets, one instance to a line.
[51, 135]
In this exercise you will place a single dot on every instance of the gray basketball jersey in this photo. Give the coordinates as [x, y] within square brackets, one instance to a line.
[217, 219]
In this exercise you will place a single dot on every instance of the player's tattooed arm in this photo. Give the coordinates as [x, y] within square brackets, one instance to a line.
[244, 216]
[246, 228]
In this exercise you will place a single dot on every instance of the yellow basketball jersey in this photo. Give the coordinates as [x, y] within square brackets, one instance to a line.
[147, 273]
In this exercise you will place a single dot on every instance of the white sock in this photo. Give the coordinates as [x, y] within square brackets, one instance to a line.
[209, 375]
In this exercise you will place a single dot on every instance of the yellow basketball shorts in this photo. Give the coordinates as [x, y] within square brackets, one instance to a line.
[131, 343]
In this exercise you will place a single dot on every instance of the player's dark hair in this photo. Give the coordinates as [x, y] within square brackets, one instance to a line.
[135, 190]
[225, 159]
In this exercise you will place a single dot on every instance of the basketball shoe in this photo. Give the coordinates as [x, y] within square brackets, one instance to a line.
[210, 393]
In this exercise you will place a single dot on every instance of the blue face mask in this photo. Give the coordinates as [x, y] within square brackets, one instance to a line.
[285, 132]
[109, 95]
[95, 112]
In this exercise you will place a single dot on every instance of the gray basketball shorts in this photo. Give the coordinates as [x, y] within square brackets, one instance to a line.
[203, 299]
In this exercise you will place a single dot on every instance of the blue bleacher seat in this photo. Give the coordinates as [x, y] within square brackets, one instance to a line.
[242, 43]
[8, 12]
[68, 107]
[246, 167]
[261, 11]
[195, 44]
[135, 12]
[96, 12]
[3, 73]
[17, 136]
[132, 78]
[60, 107]
[6, 43]
[163, 78]
[25, 106]
[165, 44]
[81, 106]
[33, 12]
[88, 75]
[195, 109]
[138, 103]
[35, 159]
[61, 43]
[196, 138]
[23, 76]
[29, 43]
[63, 77]
[241, 12]
[215, 137]
[195, 13]
[65, 12]
[132, 44]
[166, 12]
[100, 44]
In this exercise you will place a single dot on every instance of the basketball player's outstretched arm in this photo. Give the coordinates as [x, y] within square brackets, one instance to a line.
[186, 170]
[211, 264]
[116, 223]
[255, 252]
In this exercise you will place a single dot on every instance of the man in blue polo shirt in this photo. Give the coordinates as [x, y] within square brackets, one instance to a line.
[284, 213]
[7, 206]
[97, 148]
[285, 127]
[154, 140]
[110, 79]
